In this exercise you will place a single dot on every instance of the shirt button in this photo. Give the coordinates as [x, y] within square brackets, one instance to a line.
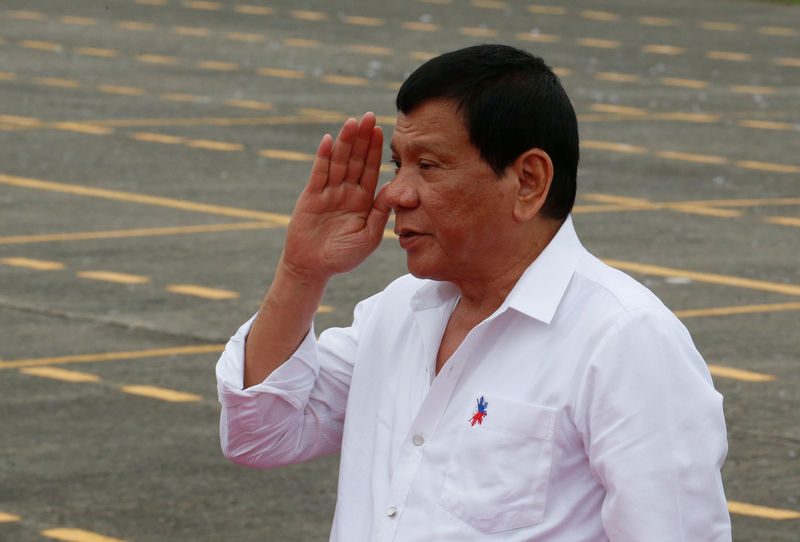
[391, 511]
[418, 440]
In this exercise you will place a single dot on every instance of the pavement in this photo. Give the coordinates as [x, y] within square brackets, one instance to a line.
[151, 152]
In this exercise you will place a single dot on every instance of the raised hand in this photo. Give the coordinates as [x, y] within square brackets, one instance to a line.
[336, 223]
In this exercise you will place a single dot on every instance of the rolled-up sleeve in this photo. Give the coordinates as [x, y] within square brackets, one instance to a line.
[654, 432]
[296, 413]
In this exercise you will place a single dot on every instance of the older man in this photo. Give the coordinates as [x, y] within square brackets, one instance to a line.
[512, 387]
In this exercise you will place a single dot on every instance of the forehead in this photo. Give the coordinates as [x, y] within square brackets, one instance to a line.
[434, 124]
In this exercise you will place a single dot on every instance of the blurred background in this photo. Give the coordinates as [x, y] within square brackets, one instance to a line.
[150, 155]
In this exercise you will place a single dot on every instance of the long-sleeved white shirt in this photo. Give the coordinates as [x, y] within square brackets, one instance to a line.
[579, 411]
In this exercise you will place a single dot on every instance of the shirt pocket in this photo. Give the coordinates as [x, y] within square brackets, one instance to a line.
[499, 469]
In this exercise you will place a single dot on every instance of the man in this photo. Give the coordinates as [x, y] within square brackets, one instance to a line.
[512, 387]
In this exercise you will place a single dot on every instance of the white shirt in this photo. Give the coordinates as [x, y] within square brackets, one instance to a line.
[601, 421]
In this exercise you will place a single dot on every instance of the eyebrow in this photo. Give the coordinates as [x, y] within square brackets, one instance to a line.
[416, 147]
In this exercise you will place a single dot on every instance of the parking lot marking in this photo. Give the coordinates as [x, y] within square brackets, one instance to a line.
[768, 125]
[795, 62]
[114, 356]
[742, 309]
[728, 55]
[370, 50]
[77, 535]
[305, 15]
[246, 37]
[30, 263]
[765, 166]
[281, 72]
[72, 19]
[158, 59]
[60, 374]
[214, 145]
[121, 90]
[712, 278]
[286, 155]
[164, 394]
[96, 51]
[113, 276]
[657, 21]
[478, 32]
[738, 374]
[249, 104]
[684, 83]
[761, 511]
[750, 89]
[610, 146]
[81, 127]
[202, 5]
[42, 45]
[253, 10]
[217, 65]
[547, 10]
[363, 21]
[599, 44]
[157, 138]
[720, 26]
[538, 37]
[690, 157]
[776, 31]
[600, 15]
[8, 518]
[489, 4]
[24, 14]
[617, 77]
[202, 291]
[420, 26]
[145, 199]
[138, 232]
[345, 80]
[671, 50]
[136, 25]
[783, 220]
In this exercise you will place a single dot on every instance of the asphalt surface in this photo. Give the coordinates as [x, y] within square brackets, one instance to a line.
[151, 151]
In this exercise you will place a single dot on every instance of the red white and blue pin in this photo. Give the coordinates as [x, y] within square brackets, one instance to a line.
[481, 413]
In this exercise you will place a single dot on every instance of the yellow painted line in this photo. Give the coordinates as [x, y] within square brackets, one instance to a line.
[777, 31]
[345, 80]
[699, 210]
[214, 145]
[547, 10]
[23, 14]
[712, 278]
[199, 4]
[616, 147]
[657, 21]
[60, 374]
[324, 309]
[201, 291]
[158, 59]
[747, 202]
[27, 122]
[689, 157]
[81, 127]
[720, 26]
[253, 10]
[113, 356]
[306, 15]
[419, 55]
[136, 25]
[436, 1]
[286, 155]
[121, 90]
[181, 97]
[783, 220]
[728, 55]
[249, 104]
[324, 113]
[370, 50]
[617, 109]
[77, 535]
[244, 36]
[363, 21]
[477, 32]
[301, 42]
[30, 263]
[207, 121]
[145, 199]
[738, 374]
[152, 2]
[42, 45]
[56, 82]
[539, 38]
[164, 394]
[72, 19]
[4, 76]
[766, 166]
[8, 518]
[279, 72]
[685, 83]
[139, 232]
[420, 26]
[191, 31]
[600, 44]
[743, 309]
[489, 4]
[787, 62]
[761, 511]
[157, 138]
[664, 49]
[686, 117]
[750, 89]
[768, 125]
[217, 65]
[562, 72]
[617, 77]
[113, 276]
[600, 15]
[96, 51]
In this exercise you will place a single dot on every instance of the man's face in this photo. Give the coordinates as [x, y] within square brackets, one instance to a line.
[452, 212]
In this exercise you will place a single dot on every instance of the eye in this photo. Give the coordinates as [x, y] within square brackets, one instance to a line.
[425, 165]
[396, 163]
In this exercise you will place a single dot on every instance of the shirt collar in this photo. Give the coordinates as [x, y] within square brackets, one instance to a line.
[538, 291]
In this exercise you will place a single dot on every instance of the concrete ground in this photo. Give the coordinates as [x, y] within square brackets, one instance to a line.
[151, 151]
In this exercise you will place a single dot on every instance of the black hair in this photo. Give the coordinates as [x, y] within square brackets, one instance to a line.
[510, 101]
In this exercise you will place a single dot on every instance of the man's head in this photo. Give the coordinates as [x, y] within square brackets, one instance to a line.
[509, 101]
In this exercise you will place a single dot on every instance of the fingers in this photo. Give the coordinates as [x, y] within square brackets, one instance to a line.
[360, 149]
[341, 152]
[319, 171]
[354, 157]
[372, 161]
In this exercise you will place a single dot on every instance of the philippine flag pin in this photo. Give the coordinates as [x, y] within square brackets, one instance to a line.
[481, 413]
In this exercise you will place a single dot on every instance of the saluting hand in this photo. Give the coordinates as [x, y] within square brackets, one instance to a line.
[336, 222]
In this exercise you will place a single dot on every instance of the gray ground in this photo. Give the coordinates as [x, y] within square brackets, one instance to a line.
[91, 456]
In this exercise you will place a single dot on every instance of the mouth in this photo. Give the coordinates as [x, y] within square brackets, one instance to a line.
[407, 237]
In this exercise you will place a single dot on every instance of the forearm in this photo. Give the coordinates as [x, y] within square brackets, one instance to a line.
[283, 321]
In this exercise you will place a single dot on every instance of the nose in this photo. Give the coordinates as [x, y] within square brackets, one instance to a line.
[401, 192]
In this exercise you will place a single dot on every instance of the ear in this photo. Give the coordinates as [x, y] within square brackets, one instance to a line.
[534, 171]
